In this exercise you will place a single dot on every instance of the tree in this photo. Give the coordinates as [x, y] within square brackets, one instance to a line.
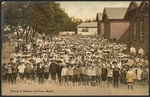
[41, 17]
[73, 23]
[11, 17]
[18, 18]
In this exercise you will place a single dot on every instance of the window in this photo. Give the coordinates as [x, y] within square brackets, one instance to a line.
[141, 26]
[85, 30]
[134, 30]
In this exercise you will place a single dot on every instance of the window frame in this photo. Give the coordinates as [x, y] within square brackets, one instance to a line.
[141, 30]
[85, 30]
[134, 30]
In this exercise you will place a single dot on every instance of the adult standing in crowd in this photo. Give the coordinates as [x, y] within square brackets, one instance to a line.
[104, 75]
[132, 50]
[46, 71]
[53, 70]
[141, 51]
[59, 70]
[116, 74]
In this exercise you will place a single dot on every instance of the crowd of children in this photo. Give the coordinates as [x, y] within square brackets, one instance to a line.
[89, 61]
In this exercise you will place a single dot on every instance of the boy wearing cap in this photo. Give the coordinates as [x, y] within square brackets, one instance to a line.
[82, 75]
[110, 75]
[9, 72]
[123, 77]
[93, 76]
[14, 73]
[21, 69]
[40, 72]
[64, 75]
[144, 76]
[70, 75]
[28, 71]
[76, 74]
[87, 74]
[98, 75]
[115, 74]
[4, 72]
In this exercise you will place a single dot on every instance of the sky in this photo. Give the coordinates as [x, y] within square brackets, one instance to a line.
[88, 9]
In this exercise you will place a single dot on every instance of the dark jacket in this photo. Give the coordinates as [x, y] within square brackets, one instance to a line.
[123, 74]
[116, 73]
[104, 71]
[59, 69]
[40, 70]
[53, 68]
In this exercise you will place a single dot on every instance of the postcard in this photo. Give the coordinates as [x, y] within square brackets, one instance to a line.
[75, 48]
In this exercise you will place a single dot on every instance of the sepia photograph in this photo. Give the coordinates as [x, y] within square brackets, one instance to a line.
[75, 48]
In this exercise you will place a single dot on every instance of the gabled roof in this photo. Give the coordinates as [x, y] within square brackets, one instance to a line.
[115, 13]
[144, 4]
[134, 5]
[137, 2]
[99, 16]
[88, 24]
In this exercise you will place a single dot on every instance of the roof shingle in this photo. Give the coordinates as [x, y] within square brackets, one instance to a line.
[99, 16]
[115, 13]
[88, 24]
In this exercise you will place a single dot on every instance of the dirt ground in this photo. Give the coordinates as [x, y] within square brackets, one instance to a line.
[7, 51]
[60, 90]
